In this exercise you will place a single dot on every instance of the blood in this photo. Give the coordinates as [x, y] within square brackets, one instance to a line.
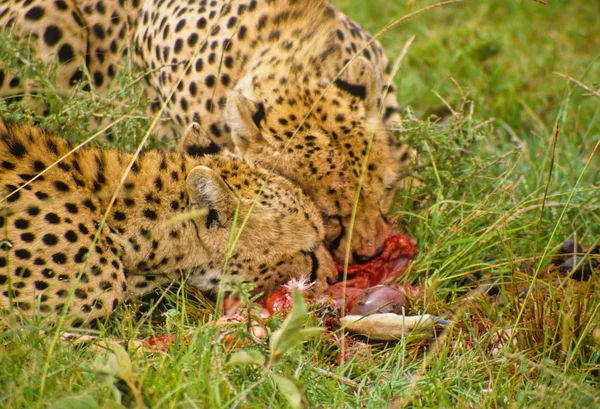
[279, 300]
[383, 267]
[162, 342]
[398, 251]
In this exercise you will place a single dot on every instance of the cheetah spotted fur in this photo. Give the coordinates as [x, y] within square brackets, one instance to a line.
[47, 228]
[256, 72]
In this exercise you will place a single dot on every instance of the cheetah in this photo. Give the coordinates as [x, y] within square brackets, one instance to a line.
[172, 220]
[263, 77]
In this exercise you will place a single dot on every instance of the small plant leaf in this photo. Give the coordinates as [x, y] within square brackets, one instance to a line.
[120, 376]
[76, 402]
[115, 363]
[288, 389]
[246, 358]
[291, 333]
[306, 333]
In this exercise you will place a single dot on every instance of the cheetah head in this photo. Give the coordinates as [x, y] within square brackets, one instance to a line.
[281, 231]
[323, 149]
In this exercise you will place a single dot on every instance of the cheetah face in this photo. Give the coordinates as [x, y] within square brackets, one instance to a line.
[323, 150]
[282, 233]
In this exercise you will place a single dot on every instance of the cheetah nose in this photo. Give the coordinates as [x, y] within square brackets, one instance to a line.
[332, 280]
[359, 258]
[362, 259]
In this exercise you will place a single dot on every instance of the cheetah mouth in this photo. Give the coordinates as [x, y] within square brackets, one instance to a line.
[401, 263]
[398, 251]
[365, 259]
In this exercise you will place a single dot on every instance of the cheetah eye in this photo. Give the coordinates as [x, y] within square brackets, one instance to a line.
[334, 231]
[386, 203]
[391, 190]
[331, 220]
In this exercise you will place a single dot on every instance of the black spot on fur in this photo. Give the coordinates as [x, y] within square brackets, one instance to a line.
[61, 186]
[158, 184]
[61, 5]
[22, 224]
[34, 13]
[8, 165]
[41, 285]
[14, 195]
[23, 254]
[214, 129]
[259, 115]
[41, 195]
[71, 236]
[52, 35]
[88, 203]
[48, 273]
[197, 150]
[53, 218]
[28, 237]
[99, 31]
[33, 210]
[150, 214]
[211, 218]
[71, 208]
[65, 53]
[81, 294]
[59, 258]
[389, 111]
[353, 89]
[38, 166]
[81, 253]
[105, 285]
[209, 81]
[50, 239]
[16, 149]
[23, 272]
[178, 46]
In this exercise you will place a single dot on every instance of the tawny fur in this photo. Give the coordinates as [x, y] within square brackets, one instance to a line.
[279, 55]
[47, 228]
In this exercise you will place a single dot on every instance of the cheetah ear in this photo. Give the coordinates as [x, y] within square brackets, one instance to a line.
[244, 117]
[207, 190]
[361, 80]
[196, 142]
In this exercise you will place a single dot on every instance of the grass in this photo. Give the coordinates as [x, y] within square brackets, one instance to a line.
[508, 174]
